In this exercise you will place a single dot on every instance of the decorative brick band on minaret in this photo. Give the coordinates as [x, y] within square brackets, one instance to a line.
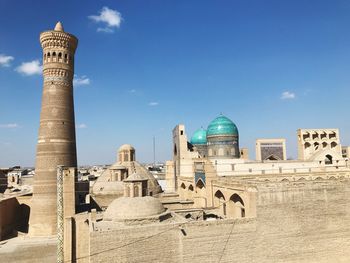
[56, 142]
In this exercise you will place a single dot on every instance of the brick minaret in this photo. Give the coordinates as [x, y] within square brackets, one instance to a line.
[56, 142]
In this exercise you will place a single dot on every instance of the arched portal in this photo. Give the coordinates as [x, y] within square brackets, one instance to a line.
[235, 207]
[220, 202]
[272, 158]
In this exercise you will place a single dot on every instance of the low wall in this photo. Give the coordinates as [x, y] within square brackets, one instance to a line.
[14, 216]
[8, 211]
[296, 222]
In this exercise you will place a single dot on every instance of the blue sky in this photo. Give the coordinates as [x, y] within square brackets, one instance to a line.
[144, 66]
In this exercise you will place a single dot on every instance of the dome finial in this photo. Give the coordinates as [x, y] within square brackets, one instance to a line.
[59, 27]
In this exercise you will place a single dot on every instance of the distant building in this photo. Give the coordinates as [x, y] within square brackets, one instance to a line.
[321, 145]
[345, 150]
[270, 149]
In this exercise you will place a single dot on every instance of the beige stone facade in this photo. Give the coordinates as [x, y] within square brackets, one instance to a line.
[345, 151]
[319, 145]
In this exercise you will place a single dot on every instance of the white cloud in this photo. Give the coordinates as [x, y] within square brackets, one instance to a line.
[81, 81]
[112, 19]
[5, 60]
[287, 95]
[153, 103]
[30, 68]
[9, 125]
[105, 30]
[81, 126]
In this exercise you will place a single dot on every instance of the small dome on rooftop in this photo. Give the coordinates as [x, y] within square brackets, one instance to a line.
[222, 126]
[135, 177]
[126, 147]
[125, 208]
[199, 137]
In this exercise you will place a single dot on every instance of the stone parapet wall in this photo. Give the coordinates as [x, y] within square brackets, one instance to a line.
[307, 222]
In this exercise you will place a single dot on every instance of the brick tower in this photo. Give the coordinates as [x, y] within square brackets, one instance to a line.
[56, 142]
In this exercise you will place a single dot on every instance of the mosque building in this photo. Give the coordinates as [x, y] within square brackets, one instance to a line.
[218, 205]
[214, 155]
[219, 140]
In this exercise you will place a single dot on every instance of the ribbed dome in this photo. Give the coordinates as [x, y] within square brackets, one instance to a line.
[199, 137]
[126, 147]
[222, 126]
[133, 208]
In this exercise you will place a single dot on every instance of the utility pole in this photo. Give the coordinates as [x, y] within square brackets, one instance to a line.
[154, 151]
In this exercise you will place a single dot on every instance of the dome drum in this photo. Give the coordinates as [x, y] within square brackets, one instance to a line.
[223, 138]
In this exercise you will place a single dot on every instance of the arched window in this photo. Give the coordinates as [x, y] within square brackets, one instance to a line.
[272, 158]
[60, 56]
[183, 186]
[175, 150]
[54, 59]
[136, 191]
[316, 145]
[190, 187]
[329, 159]
[237, 199]
[128, 191]
[219, 195]
[126, 157]
[200, 184]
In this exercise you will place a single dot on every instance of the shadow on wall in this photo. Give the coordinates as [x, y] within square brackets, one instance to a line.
[14, 218]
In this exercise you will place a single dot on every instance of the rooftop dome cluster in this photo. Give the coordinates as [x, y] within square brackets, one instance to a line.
[220, 126]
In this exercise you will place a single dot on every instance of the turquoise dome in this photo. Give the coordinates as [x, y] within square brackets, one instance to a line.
[199, 137]
[222, 126]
